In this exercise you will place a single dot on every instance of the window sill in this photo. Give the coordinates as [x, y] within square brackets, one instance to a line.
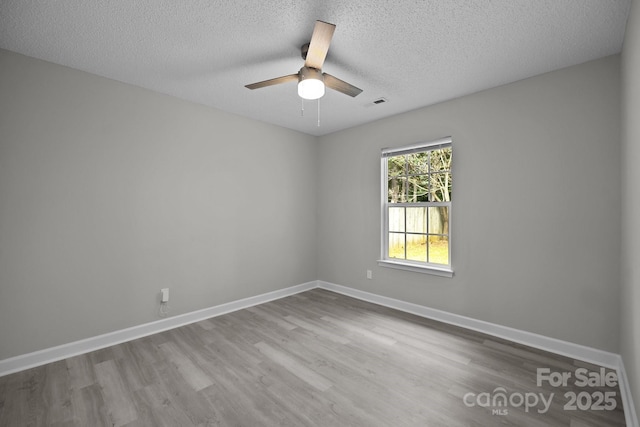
[437, 271]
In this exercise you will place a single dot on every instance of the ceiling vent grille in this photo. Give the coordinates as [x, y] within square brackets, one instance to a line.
[380, 101]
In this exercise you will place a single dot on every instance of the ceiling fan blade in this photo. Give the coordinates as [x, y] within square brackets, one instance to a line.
[276, 81]
[340, 85]
[319, 45]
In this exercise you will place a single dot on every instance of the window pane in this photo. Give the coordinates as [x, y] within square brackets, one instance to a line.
[396, 219]
[441, 187]
[417, 247]
[441, 159]
[396, 245]
[418, 163]
[418, 188]
[397, 190]
[415, 227]
[395, 165]
[439, 220]
[416, 220]
[439, 249]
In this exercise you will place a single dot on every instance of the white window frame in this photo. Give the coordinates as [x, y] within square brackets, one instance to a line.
[403, 264]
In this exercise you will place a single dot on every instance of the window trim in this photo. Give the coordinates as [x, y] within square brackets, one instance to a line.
[403, 264]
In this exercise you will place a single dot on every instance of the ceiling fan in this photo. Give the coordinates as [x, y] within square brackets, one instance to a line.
[311, 80]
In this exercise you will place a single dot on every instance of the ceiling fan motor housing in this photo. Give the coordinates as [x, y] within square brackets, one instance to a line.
[310, 73]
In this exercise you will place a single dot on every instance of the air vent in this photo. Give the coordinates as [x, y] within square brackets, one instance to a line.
[380, 101]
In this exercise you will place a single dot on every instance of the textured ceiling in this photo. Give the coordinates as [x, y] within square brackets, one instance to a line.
[413, 53]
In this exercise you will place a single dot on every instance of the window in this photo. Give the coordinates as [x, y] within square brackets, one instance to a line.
[416, 207]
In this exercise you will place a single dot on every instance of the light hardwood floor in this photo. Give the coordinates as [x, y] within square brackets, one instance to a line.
[312, 359]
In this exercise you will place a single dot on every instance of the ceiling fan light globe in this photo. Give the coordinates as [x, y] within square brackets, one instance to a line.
[311, 88]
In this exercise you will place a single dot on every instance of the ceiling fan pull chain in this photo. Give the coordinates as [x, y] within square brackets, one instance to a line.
[302, 110]
[318, 112]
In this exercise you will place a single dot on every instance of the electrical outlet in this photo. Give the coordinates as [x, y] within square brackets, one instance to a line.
[164, 295]
[369, 274]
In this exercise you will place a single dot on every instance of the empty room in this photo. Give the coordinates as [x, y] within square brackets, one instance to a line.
[365, 213]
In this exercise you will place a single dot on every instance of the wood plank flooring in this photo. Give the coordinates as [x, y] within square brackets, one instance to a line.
[312, 359]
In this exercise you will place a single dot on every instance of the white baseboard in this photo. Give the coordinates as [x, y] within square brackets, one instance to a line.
[53, 354]
[630, 414]
[575, 351]
[553, 345]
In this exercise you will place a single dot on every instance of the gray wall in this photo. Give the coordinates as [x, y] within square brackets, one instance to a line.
[109, 192]
[630, 343]
[536, 205]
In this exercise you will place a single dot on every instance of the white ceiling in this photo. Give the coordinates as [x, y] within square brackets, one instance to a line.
[412, 52]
